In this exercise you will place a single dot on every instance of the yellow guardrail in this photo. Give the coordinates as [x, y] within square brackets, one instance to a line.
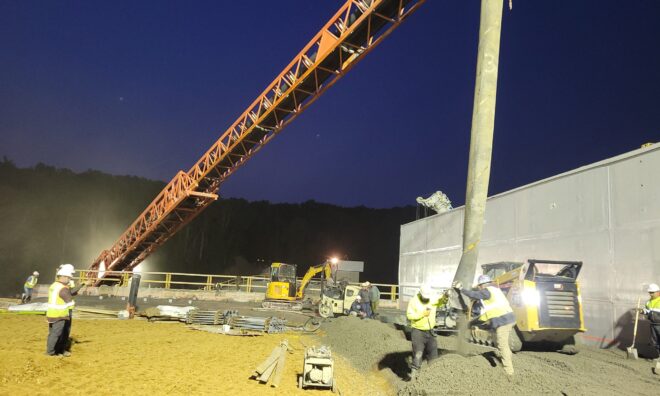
[178, 280]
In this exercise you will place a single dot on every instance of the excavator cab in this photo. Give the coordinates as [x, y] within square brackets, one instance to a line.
[282, 285]
[283, 292]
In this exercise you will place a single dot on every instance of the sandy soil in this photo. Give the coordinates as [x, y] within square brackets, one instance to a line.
[137, 357]
[140, 358]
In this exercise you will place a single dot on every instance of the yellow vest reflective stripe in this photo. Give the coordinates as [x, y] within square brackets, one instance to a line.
[416, 309]
[57, 308]
[653, 304]
[497, 305]
[31, 282]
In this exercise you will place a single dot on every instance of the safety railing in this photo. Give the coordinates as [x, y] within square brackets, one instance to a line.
[213, 282]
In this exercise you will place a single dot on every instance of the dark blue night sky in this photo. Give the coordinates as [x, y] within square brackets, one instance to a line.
[144, 88]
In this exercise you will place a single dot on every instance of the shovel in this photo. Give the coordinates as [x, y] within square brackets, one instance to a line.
[631, 350]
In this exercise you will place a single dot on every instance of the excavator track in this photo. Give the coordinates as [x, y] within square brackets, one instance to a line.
[282, 305]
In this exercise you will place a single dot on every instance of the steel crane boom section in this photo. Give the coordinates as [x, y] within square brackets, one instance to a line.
[351, 33]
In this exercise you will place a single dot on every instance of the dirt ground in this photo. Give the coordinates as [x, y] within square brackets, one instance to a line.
[138, 357]
[141, 358]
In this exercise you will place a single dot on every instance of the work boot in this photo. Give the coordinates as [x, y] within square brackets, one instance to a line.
[66, 353]
[413, 375]
[656, 369]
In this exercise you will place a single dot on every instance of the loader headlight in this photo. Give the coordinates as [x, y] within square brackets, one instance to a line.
[531, 297]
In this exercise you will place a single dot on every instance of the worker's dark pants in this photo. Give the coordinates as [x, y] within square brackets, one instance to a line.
[655, 336]
[27, 295]
[367, 309]
[58, 337]
[423, 341]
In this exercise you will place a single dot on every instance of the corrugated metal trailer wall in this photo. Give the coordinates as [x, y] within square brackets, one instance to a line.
[606, 214]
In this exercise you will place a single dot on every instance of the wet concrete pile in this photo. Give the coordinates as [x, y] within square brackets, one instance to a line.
[373, 346]
[364, 342]
[591, 372]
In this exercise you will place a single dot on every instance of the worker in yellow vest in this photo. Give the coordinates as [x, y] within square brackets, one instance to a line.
[496, 314]
[58, 314]
[421, 314]
[652, 312]
[29, 284]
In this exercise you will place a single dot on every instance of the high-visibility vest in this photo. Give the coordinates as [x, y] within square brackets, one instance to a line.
[497, 305]
[653, 307]
[57, 308]
[416, 309]
[31, 282]
[653, 304]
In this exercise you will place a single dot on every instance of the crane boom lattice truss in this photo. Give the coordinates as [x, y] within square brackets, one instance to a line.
[349, 35]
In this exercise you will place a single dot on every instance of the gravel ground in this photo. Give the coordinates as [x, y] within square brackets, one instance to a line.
[371, 345]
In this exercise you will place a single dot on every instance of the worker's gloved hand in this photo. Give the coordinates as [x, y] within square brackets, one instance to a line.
[644, 311]
[457, 285]
[426, 313]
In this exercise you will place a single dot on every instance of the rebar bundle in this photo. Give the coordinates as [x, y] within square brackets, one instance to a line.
[196, 316]
[268, 325]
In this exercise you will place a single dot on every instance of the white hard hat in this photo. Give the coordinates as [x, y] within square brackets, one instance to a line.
[653, 287]
[483, 279]
[65, 270]
[426, 291]
[366, 284]
[358, 298]
[35, 273]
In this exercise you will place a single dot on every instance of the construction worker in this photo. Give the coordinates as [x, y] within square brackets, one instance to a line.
[652, 312]
[496, 313]
[58, 314]
[374, 296]
[29, 284]
[357, 308]
[421, 314]
[366, 298]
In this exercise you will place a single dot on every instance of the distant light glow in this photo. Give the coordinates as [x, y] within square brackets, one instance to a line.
[334, 260]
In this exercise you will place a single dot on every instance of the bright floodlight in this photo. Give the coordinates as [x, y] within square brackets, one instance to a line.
[334, 260]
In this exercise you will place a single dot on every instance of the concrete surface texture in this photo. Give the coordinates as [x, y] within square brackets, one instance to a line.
[372, 346]
[606, 215]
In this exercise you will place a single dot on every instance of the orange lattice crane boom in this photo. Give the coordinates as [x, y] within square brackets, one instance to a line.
[351, 33]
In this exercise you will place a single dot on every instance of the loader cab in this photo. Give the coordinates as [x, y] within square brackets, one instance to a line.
[553, 271]
[496, 270]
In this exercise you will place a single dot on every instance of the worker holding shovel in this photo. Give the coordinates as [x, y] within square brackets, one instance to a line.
[652, 312]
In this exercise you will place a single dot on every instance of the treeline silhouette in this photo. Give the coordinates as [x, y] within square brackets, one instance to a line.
[52, 216]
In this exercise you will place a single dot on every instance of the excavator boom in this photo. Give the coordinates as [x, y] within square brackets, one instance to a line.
[311, 272]
[347, 37]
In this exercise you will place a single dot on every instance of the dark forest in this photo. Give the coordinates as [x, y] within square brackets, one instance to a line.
[52, 216]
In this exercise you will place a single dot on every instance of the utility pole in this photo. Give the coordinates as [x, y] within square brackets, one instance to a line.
[481, 142]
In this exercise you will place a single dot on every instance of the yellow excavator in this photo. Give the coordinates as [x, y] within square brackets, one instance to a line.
[283, 292]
